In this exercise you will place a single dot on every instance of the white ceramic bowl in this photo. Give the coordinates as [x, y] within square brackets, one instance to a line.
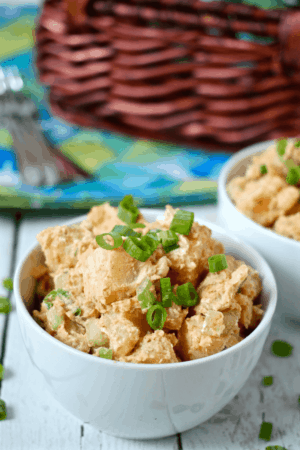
[282, 253]
[142, 401]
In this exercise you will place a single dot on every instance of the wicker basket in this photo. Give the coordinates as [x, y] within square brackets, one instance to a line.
[182, 71]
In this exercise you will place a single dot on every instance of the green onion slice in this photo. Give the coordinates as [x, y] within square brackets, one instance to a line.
[293, 176]
[281, 146]
[171, 248]
[281, 349]
[144, 295]
[125, 230]
[297, 144]
[263, 169]
[267, 381]
[8, 284]
[168, 239]
[156, 317]
[118, 241]
[265, 431]
[217, 263]
[1, 371]
[106, 353]
[48, 304]
[5, 306]
[167, 295]
[127, 210]
[140, 249]
[154, 234]
[136, 225]
[182, 222]
[187, 295]
[77, 312]
[2, 410]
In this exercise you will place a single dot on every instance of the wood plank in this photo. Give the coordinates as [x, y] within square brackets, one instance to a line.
[237, 425]
[7, 227]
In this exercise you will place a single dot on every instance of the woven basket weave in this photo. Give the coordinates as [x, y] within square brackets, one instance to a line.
[182, 71]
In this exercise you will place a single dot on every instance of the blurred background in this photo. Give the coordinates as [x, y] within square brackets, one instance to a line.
[49, 160]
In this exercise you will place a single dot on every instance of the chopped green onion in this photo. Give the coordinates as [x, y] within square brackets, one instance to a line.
[281, 146]
[140, 249]
[293, 176]
[144, 295]
[263, 169]
[275, 447]
[125, 230]
[150, 241]
[118, 241]
[8, 284]
[171, 248]
[2, 410]
[1, 371]
[76, 251]
[167, 295]
[127, 210]
[265, 431]
[77, 312]
[187, 295]
[281, 348]
[267, 381]
[57, 292]
[154, 234]
[217, 263]
[182, 222]
[136, 225]
[106, 353]
[169, 240]
[5, 306]
[297, 144]
[156, 317]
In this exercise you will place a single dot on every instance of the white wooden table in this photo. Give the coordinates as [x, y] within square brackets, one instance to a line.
[36, 422]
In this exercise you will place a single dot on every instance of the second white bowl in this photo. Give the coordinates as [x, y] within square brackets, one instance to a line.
[282, 253]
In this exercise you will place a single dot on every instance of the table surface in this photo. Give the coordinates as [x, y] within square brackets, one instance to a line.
[37, 422]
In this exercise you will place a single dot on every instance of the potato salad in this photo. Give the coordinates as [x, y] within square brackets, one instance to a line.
[120, 288]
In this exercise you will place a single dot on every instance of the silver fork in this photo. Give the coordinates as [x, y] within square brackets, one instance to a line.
[19, 115]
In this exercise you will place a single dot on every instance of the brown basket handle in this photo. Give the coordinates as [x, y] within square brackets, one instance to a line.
[76, 10]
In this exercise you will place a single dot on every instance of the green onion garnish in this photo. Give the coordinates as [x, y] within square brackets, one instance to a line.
[187, 295]
[8, 284]
[140, 249]
[5, 305]
[106, 353]
[154, 234]
[77, 312]
[297, 144]
[156, 317]
[118, 241]
[57, 292]
[265, 431]
[275, 447]
[124, 230]
[263, 169]
[217, 263]
[267, 381]
[1, 371]
[167, 296]
[136, 225]
[293, 176]
[144, 295]
[2, 410]
[281, 348]
[281, 146]
[182, 222]
[127, 210]
[48, 304]
[169, 240]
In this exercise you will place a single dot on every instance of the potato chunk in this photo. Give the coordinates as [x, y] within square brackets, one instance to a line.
[289, 226]
[154, 348]
[114, 275]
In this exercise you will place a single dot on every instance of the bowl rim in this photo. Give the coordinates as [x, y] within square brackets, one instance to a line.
[265, 322]
[222, 183]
